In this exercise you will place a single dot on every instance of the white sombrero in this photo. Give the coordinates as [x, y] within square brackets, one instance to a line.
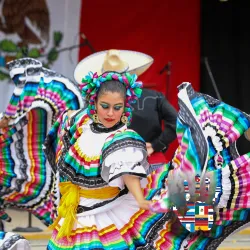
[113, 60]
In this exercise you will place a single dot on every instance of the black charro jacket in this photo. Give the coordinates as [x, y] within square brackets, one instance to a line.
[148, 113]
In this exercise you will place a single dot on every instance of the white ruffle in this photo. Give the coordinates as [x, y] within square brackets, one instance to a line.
[128, 160]
[9, 241]
[209, 131]
[117, 212]
[226, 187]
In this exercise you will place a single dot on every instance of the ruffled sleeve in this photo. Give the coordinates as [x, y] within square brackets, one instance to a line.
[124, 153]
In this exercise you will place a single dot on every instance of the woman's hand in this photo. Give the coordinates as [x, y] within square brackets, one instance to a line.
[144, 204]
[133, 184]
[150, 149]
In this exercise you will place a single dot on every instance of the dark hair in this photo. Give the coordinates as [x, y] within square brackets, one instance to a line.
[112, 86]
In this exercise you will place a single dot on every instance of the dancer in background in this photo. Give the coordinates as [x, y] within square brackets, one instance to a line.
[150, 112]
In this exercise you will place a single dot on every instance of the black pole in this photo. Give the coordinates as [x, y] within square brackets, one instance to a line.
[30, 220]
[29, 228]
[212, 78]
[85, 43]
[205, 60]
[1, 225]
[168, 79]
[167, 69]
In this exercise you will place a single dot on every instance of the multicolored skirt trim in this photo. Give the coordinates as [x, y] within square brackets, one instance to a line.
[26, 178]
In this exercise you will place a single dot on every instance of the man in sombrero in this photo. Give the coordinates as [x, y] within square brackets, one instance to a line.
[152, 108]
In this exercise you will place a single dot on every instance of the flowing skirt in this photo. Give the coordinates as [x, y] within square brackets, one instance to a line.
[26, 178]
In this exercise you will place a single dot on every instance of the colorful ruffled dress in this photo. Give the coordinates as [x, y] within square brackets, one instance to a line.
[91, 161]
[207, 177]
[39, 96]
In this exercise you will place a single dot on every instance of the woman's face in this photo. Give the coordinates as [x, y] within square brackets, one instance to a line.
[109, 108]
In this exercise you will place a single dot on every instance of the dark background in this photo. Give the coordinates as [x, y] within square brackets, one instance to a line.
[225, 42]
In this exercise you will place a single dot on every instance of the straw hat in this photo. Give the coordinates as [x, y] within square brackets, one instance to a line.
[113, 60]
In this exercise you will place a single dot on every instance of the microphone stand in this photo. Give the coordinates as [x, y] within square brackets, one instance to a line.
[86, 42]
[167, 69]
[247, 133]
[212, 78]
[29, 228]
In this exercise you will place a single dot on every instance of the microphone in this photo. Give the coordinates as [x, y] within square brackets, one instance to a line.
[166, 68]
[83, 36]
[86, 42]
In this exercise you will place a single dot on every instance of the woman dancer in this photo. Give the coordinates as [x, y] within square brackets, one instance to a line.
[105, 204]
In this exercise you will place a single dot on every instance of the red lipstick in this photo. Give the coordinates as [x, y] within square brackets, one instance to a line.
[109, 119]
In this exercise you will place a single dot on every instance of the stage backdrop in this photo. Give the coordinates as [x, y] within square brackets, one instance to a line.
[225, 44]
[167, 30]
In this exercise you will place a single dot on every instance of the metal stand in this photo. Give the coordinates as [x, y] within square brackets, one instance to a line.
[167, 69]
[29, 228]
[205, 60]
[212, 78]
[1, 226]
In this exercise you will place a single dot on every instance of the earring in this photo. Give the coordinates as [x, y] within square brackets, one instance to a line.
[95, 118]
[124, 119]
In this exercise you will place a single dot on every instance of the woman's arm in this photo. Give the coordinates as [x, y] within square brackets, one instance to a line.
[133, 184]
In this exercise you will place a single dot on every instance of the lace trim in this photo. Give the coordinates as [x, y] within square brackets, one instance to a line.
[7, 244]
[23, 63]
[127, 142]
[197, 134]
[81, 209]
[233, 150]
[210, 100]
[99, 128]
[129, 173]
[214, 243]
[22, 160]
[49, 152]
[70, 173]
[153, 232]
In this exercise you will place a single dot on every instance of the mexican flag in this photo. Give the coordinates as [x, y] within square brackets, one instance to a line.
[48, 30]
